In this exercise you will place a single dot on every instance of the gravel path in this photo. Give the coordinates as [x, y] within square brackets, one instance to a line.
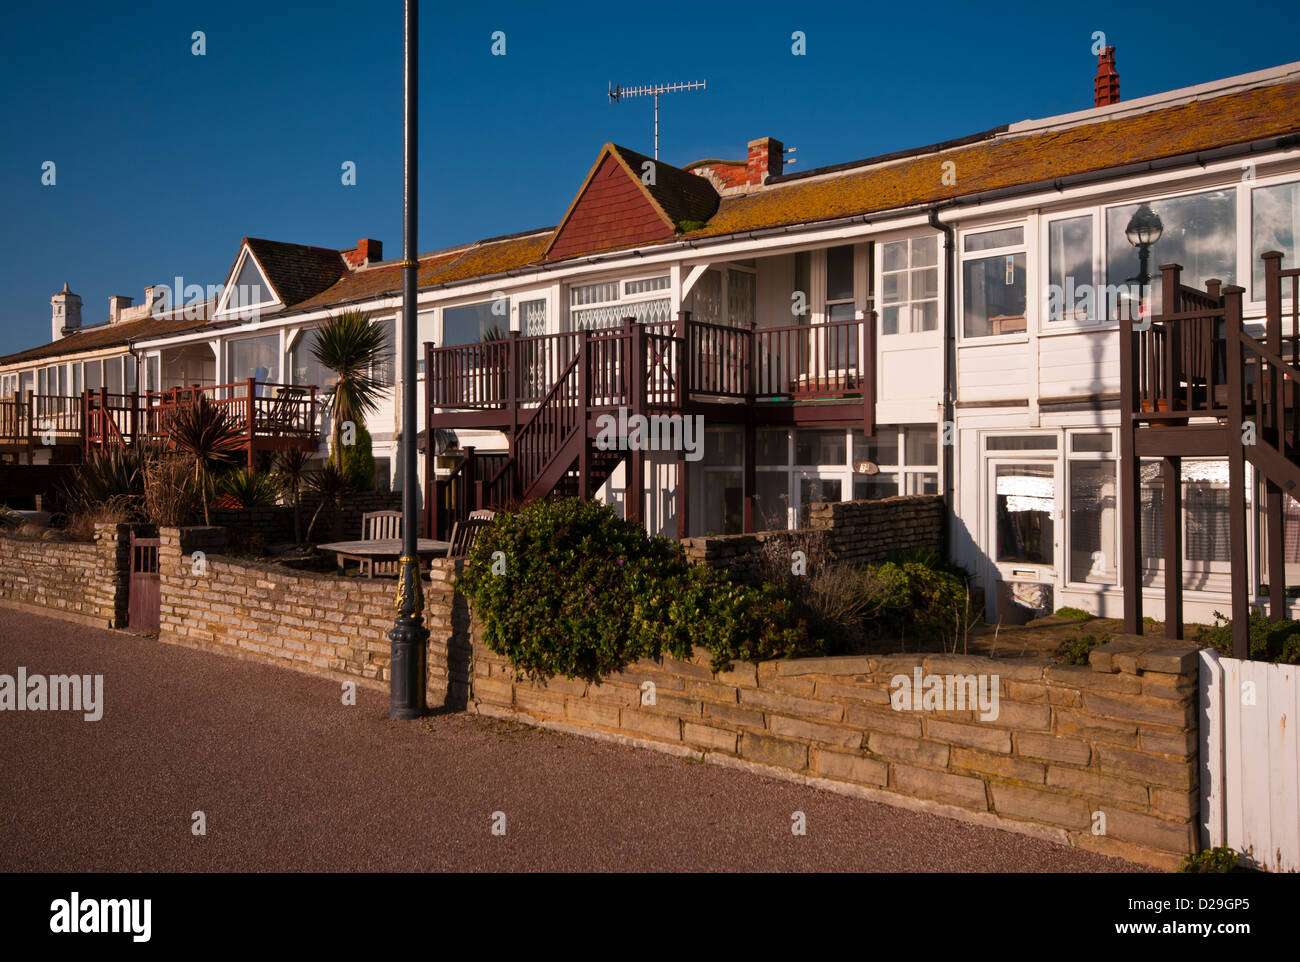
[290, 779]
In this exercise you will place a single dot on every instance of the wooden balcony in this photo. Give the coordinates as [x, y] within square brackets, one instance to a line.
[270, 416]
[35, 422]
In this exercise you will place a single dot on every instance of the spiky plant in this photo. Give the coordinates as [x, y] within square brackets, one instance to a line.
[331, 485]
[247, 489]
[207, 433]
[290, 472]
[350, 346]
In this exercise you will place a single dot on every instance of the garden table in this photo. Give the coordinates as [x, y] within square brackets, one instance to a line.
[388, 549]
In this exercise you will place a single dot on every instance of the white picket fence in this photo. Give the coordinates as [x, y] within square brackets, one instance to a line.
[1250, 760]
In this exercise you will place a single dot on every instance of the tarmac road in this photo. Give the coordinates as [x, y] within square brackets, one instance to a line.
[291, 779]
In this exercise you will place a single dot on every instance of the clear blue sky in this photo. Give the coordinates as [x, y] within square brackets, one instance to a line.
[166, 159]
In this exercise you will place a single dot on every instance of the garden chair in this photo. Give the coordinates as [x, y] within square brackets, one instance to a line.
[380, 526]
[464, 534]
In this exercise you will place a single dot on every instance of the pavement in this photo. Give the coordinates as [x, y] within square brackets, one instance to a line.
[289, 778]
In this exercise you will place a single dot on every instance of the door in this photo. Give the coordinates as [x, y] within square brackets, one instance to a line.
[144, 587]
[1024, 535]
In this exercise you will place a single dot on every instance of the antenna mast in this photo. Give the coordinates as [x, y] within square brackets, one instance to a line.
[617, 93]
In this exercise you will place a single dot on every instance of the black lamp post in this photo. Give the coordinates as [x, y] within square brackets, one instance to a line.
[1143, 230]
[408, 635]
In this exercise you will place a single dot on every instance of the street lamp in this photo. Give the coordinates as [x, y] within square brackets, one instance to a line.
[408, 635]
[1143, 230]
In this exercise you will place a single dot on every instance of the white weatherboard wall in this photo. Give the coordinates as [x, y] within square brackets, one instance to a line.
[1250, 759]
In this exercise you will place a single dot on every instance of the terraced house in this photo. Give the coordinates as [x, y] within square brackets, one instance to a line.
[1059, 325]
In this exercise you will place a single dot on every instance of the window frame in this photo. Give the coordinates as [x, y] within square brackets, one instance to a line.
[1029, 247]
[876, 298]
[620, 281]
[1097, 320]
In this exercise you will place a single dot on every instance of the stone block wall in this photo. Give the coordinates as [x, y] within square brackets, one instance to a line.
[856, 532]
[313, 622]
[1101, 757]
[86, 581]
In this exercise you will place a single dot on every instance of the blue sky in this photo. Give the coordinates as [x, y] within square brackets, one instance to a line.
[166, 159]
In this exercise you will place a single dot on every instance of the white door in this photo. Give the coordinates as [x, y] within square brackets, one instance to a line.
[1025, 511]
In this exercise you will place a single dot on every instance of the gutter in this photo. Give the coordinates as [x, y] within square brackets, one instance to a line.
[949, 355]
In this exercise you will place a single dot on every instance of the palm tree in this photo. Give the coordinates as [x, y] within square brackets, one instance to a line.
[208, 434]
[350, 346]
[331, 485]
[290, 471]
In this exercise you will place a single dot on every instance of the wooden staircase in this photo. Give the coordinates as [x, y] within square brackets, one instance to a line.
[1195, 383]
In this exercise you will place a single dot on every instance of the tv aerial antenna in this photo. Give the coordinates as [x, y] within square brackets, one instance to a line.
[617, 93]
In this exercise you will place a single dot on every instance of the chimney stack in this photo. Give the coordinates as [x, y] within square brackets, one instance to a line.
[117, 303]
[766, 159]
[1106, 90]
[66, 312]
[367, 251]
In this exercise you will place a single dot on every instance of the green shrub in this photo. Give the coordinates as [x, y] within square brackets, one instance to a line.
[1075, 651]
[584, 593]
[359, 461]
[1267, 640]
[1074, 614]
[246, 489]
[1210, 860]
[918, 596]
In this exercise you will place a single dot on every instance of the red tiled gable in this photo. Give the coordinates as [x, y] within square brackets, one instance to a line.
[612, 211]
[296, 271]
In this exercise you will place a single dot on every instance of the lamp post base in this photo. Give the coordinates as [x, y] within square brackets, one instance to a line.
[407, 641]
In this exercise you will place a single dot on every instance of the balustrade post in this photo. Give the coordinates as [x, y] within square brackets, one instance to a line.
[1236, 472]
[1273, 504]
[1130, 473]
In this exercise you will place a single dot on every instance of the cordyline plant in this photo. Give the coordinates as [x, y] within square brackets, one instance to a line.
[209, 435]
[290, 472]
[331, 485]
[350, 346]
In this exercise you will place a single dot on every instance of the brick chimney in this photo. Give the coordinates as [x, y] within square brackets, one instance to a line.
[1107, 83]
[117, 303]
[766, 159]
[367, 251]
[66, 312]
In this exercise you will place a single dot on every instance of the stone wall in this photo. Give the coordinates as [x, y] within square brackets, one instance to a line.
[86, 581]
[856, 532]
[1101, 757]
[319, 623]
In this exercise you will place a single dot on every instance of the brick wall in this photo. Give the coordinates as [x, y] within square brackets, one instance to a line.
[83, 580]
[1116, 738]
[856, 531]
[318, 623]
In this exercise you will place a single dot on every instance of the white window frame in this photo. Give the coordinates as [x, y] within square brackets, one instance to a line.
[246, 311]
[1069, 455]
[1028, 247]
[878, 292]
[1098, 319]
[622, 298]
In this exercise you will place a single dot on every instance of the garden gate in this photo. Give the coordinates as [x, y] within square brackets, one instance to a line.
[143, 589]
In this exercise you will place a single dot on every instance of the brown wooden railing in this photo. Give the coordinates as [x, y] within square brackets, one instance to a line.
[36, 419]
[259, 409]
[456, 495]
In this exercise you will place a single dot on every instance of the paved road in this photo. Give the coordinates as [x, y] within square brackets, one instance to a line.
[291, 779]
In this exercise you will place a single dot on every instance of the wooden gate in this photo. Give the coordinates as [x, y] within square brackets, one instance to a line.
[143, 589]
[1250, 760]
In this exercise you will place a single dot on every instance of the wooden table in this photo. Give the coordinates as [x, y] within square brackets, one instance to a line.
[382, 550]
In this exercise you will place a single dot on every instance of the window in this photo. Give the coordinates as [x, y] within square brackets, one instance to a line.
[1206, 528]
[1274, 226]
[740, 297]
[604, 305]
[801, 306]
[153, 370]
[384, 369]
[304, 368]
[819, 447]
[255, 357]
[839, 284]
[94, 375]
[1093, 509]
[1198, 231]
[909, 285]
[128, 373]
[532, 317]
[994, 283]
[472, 323]
[886, 474]
[1022, 442]
[1070, 270]
[250, 288]
[706, 298]
[1025, 503]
